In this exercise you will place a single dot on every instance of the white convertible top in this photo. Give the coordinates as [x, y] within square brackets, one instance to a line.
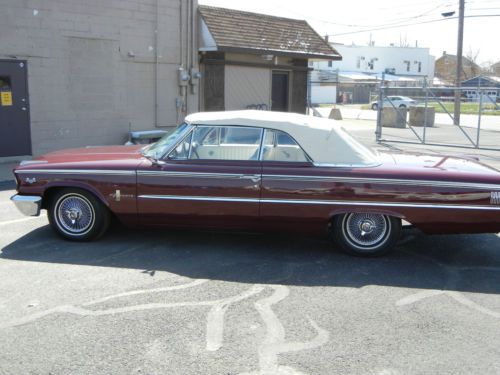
[324, 140]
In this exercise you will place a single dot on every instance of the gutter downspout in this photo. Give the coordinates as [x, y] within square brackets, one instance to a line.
[156, 61]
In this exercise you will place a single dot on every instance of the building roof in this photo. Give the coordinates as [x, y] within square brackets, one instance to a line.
[238, 31]
[485, 81]
[465, 60]
[324, 140]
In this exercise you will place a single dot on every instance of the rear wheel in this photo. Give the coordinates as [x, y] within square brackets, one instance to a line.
[78, 215]
[374, 106]
[402, 106]
[366, 234]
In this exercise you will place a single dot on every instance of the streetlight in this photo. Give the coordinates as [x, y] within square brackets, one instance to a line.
[460, 42]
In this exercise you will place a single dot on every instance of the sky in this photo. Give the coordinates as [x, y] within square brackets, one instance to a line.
[407, 22]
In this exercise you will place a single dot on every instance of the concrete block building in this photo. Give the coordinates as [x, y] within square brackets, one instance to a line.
[82, 72]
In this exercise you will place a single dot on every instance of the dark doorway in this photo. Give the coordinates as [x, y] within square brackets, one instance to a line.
[15, 133]
[280, 91]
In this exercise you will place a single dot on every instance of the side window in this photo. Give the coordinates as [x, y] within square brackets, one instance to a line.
[279, 146]
[225, 143]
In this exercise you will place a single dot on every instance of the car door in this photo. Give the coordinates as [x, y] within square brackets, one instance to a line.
[211, 179]
[284, 167]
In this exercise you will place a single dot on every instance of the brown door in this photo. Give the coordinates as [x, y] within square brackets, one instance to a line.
[15, 134]
[280, 91]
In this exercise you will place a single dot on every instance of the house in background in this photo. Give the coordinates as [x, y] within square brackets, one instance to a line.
[80, 73]
[495, 69]
[251, 60]
[446, 68]
[361, 69]
[490, 89]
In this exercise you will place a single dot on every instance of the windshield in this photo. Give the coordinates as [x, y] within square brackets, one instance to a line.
[158, 149]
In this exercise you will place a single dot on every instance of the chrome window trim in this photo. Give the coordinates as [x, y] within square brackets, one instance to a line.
[78, 171]
[189, 131]
[319, 202]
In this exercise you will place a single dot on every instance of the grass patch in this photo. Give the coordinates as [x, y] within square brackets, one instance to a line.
[465, 108]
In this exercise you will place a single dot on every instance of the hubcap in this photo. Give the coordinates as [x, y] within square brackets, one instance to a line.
[366, 231]
[75, 214]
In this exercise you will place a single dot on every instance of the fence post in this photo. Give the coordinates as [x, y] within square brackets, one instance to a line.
[378, 132]
[425, 109]
[479, 112]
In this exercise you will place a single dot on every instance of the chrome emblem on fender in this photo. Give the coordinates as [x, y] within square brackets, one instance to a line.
[495, 197]
[30, 180]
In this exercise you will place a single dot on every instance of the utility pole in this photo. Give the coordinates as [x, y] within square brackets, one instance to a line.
[460, 42]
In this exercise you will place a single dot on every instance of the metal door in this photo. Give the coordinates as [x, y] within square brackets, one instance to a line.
[15, 133]
[280, 91]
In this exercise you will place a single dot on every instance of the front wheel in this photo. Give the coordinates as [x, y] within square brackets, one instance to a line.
[366, 234]
[374, 106]
[77, 215]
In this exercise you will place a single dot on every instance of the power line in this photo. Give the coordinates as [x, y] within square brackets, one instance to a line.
[412, 24]
[371, 25]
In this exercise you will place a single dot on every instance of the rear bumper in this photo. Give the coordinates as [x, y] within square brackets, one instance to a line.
[28, 205]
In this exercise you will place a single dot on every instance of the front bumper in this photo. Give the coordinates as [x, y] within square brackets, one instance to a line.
[29, 205]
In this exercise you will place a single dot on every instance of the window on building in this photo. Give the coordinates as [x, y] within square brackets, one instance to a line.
[420, 67]
[330, 63]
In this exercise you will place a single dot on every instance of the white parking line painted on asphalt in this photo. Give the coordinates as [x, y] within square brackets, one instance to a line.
[215, 317]
[145, 291]
[274, 342]
[22, 220]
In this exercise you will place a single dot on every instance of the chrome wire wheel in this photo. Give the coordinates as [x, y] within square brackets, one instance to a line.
[74, 214]
[366, 231]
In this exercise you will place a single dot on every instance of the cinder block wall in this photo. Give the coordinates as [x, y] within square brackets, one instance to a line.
[91, 66]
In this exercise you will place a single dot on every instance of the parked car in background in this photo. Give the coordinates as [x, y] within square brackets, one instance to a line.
[261, 171]
[397, 101]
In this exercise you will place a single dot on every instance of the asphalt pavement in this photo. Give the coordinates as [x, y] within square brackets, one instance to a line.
[179, 302]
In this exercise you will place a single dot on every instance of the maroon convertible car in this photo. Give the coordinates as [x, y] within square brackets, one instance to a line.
[255, 170]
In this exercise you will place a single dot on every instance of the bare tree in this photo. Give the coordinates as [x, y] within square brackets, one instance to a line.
[471, 65]
[403, 41]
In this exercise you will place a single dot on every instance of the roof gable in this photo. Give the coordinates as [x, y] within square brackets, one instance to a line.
[235, 30]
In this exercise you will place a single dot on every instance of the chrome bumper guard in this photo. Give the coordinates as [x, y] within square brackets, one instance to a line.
[29, 205]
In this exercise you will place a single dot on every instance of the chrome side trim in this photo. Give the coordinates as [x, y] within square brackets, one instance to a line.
[333, 165]
[191, 174]
[195, 198]
[375, 181]
[28, 205]
[319, 202]
[113, 172]
[253, 177]
[30, 162]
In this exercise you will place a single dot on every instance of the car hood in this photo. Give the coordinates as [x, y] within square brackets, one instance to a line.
[91, 157]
